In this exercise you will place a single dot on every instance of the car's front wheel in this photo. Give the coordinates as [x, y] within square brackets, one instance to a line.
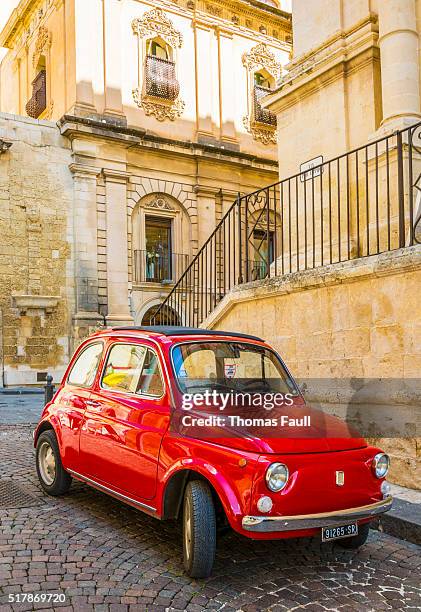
[199, 529]
[358, 540]
[53, 477]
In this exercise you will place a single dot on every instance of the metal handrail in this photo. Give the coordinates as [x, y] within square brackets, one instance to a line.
[347, 207]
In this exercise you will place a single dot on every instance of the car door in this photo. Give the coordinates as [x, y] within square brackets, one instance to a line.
[125, 421]
[72, 399]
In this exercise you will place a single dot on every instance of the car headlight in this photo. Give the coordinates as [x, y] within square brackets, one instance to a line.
[277, 476]
[380, 465]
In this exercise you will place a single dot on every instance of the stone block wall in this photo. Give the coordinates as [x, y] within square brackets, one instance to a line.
[36, 194]
[355, 321]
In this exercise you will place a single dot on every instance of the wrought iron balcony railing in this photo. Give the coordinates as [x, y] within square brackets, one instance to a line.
[154, 267]
[38, 103]
[261, 115]
[362, 203]
[161, 80]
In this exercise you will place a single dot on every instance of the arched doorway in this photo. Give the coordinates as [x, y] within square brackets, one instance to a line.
[166, 316]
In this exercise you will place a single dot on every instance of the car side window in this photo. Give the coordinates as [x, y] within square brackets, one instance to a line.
[132, 368]
[150, 381]
[123, 367]
[85, 367]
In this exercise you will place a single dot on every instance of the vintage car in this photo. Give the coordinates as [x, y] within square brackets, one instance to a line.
[114, 423]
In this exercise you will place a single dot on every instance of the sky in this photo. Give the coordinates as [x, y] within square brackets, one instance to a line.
[6, 7]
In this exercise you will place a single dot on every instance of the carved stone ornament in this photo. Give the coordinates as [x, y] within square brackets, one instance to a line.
[42, 45]
[160, 110]
[160, 203]
[155, 22]
[152, 23]
[216, 11]
[260, 56]
[266, 135]
[48, 113]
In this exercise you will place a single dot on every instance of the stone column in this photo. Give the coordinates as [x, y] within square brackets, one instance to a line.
[227, 97]
[113, 45]
[206, 211]
[398, 42]
[89, 60]
[207, 86]
[117, 249]
[85, 247]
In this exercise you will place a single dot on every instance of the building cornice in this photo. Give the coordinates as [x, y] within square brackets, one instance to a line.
[80, 127]
[345, 51]
[84, 170]
[234, 15]
[18, 16]
[115, 176]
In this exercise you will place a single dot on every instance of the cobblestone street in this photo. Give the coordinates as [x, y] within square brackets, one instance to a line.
[104, 555]
[22, 409]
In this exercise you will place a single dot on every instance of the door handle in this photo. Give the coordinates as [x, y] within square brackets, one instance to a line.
[93, 404]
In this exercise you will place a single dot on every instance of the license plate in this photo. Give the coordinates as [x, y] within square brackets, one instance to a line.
[341, 531]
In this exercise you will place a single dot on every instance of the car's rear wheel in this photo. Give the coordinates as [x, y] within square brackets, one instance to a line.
[356, 541]
[199, 530]
[53, 477]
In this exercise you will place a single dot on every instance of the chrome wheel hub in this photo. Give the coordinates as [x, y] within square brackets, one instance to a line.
[47, 463]
[187, 528]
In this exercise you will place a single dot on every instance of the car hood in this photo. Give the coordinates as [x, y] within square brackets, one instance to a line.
[319, 433]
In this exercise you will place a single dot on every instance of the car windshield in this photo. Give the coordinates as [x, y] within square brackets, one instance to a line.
[230, 366]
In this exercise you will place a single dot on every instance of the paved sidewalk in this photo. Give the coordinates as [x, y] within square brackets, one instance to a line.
[20, 408]
[103, 555]
[404, 519]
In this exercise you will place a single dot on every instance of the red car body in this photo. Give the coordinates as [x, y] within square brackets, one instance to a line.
[122, 444]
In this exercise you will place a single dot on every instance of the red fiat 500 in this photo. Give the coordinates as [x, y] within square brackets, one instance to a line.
[148, 416]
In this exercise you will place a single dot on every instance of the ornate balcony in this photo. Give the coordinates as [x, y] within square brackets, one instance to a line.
[262, 115]
[38, 103]
[161, 81]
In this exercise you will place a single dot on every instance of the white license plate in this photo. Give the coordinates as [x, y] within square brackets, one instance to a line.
[341, 531]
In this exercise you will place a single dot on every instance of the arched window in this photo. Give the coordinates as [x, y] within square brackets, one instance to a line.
[263, 84]
[157, 47]
[262, 79]
[38, 102]
[160, 75]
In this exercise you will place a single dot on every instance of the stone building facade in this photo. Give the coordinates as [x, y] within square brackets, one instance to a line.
[145, 125]
[354, 319]
[36, 261]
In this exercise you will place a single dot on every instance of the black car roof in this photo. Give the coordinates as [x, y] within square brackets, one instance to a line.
[177, 330]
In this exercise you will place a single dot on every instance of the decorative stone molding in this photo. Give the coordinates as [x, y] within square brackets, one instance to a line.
[159, 109]
[207, 190]
[85, 171]
[260, 57]
[42, 45]
[36, 302]
[266, 135]
[115, 176]
[155, 22]
[160, 203]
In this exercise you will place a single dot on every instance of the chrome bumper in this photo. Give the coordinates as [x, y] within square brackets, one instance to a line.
[310, 521]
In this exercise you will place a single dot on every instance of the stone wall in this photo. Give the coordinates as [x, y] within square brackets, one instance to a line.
[354, 321]
[36, 194]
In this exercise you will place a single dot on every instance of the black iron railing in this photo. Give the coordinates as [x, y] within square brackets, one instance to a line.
[361, 203]
[262, 115]
[156, 267]
[161, 80]
[38, 103]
